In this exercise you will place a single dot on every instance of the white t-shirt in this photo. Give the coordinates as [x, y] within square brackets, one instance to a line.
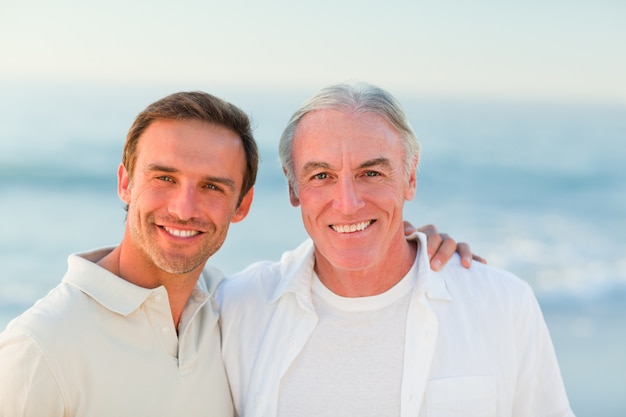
[353, 362]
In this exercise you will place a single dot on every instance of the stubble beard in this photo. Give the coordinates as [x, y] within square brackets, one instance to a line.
[176, 259]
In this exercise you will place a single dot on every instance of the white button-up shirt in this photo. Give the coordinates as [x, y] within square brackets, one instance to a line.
[476, 343]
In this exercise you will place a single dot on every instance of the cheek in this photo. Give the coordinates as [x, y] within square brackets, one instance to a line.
[146, 199]
[312, 200]
[390, 199]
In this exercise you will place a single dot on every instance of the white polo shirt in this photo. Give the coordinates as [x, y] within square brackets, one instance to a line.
[98, 345]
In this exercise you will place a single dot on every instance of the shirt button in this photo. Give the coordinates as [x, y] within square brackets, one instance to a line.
[164, 329]
[158, 298]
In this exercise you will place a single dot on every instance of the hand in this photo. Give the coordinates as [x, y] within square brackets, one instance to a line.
[441, 247]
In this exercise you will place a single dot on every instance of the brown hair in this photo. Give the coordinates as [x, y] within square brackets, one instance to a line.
[200, 106]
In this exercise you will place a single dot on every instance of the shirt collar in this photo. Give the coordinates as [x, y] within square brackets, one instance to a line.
[109, 290]
[297, 274]
[429, 282]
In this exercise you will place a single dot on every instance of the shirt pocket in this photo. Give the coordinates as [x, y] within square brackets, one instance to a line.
[467, 396]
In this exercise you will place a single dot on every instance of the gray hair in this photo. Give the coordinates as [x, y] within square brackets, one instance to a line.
[358, 97]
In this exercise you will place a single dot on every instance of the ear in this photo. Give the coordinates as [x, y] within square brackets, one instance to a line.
[123, 184]
[244, 207]
[293, 197]
[409, 192]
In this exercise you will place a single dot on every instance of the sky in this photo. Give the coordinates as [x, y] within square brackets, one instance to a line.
[554, 50]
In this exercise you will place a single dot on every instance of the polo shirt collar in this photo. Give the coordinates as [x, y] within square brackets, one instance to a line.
[111, 291]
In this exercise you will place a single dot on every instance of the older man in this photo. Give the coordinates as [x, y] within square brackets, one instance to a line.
[353, 321]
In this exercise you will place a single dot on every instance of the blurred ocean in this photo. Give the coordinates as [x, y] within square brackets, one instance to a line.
[536, 188]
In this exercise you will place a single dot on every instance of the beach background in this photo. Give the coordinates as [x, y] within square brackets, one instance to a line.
[522, 119]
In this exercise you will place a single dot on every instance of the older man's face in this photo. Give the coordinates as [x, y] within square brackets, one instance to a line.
[351, 186]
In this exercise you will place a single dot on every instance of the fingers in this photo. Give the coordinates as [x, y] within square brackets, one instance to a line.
[434, 239]
[465, 252]
[429, 230]
[442, 251]
[441, 247]
[479, 259]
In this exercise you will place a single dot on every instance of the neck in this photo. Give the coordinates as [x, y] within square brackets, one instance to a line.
[373, 280]
[136, 269]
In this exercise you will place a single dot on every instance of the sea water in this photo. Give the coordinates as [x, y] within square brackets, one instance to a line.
[536, 188]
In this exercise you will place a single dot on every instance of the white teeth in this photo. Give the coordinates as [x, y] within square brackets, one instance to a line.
[181, 233]
[350, 228]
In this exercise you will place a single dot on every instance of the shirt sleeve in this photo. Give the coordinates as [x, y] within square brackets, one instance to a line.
[28, 387]
[539, 390]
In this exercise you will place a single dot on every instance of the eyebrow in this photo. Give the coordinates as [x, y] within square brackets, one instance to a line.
[376, 162]
[313, 165]
[207, 178]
